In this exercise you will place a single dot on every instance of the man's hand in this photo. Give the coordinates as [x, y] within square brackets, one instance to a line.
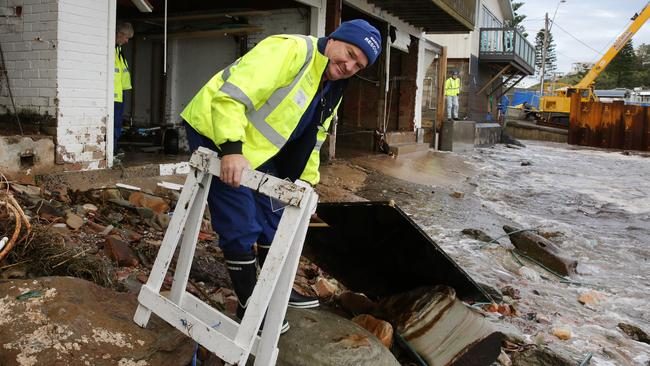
[231, 168]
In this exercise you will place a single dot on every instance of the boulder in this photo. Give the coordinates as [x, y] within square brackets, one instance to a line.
[542, 250]
[70, 321]
[320, 338]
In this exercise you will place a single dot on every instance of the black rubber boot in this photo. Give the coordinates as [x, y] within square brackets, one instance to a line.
[243, 275]
[296, 300]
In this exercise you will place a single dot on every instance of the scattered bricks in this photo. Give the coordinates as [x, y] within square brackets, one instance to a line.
[120, 252]
[563, 333]
[380, 328]
[511, 292]
[231, 304]
[74, 221]
[357, 303]
[156, 204]
[458, 195]
[590, 298]
[142, 277]
[324, 288]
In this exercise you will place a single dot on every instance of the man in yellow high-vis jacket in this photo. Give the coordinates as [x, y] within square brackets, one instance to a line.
[121, 79]
[270, 110]
[452, 89]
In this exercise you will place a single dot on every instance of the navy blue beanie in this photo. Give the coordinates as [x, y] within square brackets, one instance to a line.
[361, 34]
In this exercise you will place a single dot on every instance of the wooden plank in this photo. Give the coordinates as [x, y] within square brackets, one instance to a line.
[208, 33]
[542, 250]
[442, 76]
[206, 15]
[286, 192]
[210, 338]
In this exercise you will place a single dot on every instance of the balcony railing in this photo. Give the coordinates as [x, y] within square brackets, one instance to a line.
[507, 44]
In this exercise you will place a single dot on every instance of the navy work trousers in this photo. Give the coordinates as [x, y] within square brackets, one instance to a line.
[240, 216]
[118, 111]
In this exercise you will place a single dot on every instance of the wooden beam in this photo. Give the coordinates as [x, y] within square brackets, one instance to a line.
[209, 33]
[492, 80]
[442, 76]
[492, 90]
[512, 86]
[206, 15]
[333, 15]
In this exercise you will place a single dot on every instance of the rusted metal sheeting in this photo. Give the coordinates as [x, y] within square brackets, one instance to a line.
[609, 125]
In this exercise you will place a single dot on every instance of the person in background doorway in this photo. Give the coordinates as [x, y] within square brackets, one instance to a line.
[122, 78]
[452, 89]
[270, 110]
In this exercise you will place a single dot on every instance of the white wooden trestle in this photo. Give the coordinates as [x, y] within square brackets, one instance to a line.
[230, 341]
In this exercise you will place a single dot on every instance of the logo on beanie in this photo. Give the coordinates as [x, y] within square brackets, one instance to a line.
[372, 42]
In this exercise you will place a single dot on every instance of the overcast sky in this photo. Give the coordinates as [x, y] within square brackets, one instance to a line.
[597, 23]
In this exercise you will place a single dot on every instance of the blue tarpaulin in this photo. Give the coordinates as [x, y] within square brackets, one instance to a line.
[522, 96]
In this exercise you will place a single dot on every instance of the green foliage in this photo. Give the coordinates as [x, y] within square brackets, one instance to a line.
[625, 70]
[551, 57]
[518, 19]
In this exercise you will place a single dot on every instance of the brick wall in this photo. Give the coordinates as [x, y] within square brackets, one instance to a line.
[82, 82]
[28, 34]
[285, 21]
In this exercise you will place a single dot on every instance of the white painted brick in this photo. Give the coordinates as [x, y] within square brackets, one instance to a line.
[51, 16]
[10, 36]
[47, 92]
[43, 26]
[22, 46]
[31, 74]
[89, 4]
[24, 65]
[44, 45]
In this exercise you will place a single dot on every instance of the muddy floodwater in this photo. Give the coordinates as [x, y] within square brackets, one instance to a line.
[594, 204]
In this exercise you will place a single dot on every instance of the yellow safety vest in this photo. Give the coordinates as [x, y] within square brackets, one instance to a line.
[260, 99]
[122, 77]
[452, 87]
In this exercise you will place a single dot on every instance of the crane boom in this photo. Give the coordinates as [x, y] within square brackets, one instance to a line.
[621, 41]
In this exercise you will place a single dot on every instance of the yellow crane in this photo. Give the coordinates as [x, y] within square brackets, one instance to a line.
[556, 108]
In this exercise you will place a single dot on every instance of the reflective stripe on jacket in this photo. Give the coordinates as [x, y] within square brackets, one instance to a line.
[452, 87]
[260, 99]
[122, 77]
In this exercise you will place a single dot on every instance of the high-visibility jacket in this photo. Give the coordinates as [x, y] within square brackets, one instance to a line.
[122, 77]
[452, 87]
[260, 99]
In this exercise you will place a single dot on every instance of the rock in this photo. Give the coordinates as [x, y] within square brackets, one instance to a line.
[511, 292]
[526, 163]
[89, 207]
[75, 322]
[60, 228]
[29, 190]
[379, 328]
[504, 359]
[120, 252]
[477, 234]
[163, 220]
[112, 193]
[542, 319]
[591, 298]
[541, 356]
[562, 332]
[634, 332]
[320, 338]
[324, 288]
[529, 274]
[357, 303]
[74, 221]
[458, 194]
[542, 250]
[441, 328]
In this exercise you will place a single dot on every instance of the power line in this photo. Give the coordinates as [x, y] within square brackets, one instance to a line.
[577, 39]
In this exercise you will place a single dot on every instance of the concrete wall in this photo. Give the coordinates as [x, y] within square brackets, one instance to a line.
[283, 21]
[28, 35]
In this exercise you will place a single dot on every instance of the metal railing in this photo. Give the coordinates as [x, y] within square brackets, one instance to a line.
[503, 43]
[464, 8]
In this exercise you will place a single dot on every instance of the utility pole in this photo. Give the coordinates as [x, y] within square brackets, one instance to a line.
[544, 48]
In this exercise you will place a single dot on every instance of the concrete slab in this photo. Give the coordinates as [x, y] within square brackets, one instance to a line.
[487, 134]
[26, 154]
[458, 136]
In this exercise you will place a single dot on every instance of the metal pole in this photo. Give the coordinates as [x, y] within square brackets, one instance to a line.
[165, 43]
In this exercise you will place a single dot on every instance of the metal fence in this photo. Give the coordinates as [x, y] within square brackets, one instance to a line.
[609, 125]
[506, 42]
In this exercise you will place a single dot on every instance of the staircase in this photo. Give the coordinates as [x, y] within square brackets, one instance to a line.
[404, 142]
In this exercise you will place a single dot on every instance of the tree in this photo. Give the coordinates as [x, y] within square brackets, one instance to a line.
[518, 19]
[551, 58]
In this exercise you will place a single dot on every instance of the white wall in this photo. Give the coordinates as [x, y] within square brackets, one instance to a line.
[29, 43]
[82, 60]
[284, 21]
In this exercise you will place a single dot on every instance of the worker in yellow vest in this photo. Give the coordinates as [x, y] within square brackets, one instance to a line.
[270, 110]
[122, 77]
[452, 89]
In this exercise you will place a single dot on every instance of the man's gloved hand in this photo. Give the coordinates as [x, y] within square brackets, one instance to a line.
[232, 166]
